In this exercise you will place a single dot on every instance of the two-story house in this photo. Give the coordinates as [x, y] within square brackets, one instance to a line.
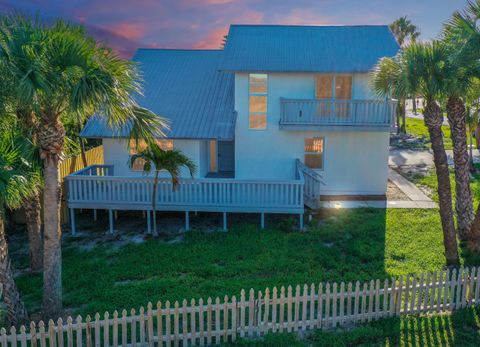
[281, 117]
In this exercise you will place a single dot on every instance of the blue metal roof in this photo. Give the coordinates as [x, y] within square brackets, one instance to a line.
[306, 48]
[186, 87]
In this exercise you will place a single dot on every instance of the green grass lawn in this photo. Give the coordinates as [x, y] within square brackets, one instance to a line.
[347, 245]
[417, 128]
[462, 328]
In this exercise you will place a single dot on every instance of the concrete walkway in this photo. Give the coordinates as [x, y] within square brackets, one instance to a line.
[417, 198]
[409, 157]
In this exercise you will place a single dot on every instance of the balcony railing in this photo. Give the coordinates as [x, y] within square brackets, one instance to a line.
[312, 112]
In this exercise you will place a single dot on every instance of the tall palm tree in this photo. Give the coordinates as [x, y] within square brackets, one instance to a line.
[419, 69]
[18, 181]
[405, 32]
[462, 35]
[171, 161]
[61, 70]
[26, 121]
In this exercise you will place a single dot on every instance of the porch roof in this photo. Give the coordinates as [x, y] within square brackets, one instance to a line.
[185, 87]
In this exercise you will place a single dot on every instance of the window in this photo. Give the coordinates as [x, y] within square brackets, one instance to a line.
[257, 101]
[314, 152]
[213, 155]
[333, 87]
[166, 145]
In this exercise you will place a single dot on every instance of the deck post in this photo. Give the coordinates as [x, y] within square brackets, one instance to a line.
[110, 220]
[225, 221]
[262, 220]
[116, 214]
[72, 221]
[187, 221]
[95, 214]
[149, 222]
[301, 221]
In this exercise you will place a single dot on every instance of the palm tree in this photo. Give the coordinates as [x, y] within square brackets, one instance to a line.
[154, 157]
[61, 70]
[462, 36]
[473, 121]
[419, 69]
[405, 32]
[18, 181]
[26, 121]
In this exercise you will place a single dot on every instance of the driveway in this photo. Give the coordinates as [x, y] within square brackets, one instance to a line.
[408, 157]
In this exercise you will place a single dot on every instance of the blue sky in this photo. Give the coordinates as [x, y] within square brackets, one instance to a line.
[127, 25]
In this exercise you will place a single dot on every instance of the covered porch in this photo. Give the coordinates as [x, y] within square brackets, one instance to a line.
[98, 188]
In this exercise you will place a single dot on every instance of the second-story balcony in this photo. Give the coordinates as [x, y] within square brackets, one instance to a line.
[313, 114]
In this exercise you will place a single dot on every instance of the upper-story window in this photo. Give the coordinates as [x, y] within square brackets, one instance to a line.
[333, 87]
[257, 101]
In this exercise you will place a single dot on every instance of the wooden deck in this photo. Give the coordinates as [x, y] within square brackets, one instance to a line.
[96, 187]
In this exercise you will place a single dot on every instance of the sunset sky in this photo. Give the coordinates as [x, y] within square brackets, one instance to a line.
[127, 25]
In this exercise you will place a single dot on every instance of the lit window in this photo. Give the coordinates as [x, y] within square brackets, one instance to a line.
[166, 145]
[314, 152]
[257, 101]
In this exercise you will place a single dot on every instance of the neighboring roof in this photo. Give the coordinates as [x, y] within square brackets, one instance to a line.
[186, 87]
[306, 48]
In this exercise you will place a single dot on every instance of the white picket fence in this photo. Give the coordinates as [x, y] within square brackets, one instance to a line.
[296, 309]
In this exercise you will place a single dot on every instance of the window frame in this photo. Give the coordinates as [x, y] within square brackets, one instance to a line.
[315, 153]
[334, 75]
[266, 104]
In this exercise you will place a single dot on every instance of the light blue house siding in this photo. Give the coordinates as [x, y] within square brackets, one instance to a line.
[355, 161]
[116, 153]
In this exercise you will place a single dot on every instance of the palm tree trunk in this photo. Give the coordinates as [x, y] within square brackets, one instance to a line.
[16, 311]
[154, 203]
[82, 151]
[51, 137]
[399, 112]
[33, 205]
[32, 208]
[477, 136]
[463, 203]
[473, 243]
[433, 120]
[404, 117]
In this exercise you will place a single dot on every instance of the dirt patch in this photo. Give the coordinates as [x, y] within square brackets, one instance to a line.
[395, 194]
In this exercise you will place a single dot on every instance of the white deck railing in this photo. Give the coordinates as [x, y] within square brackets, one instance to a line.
[313, 112]
[313, 182]
[95, 187]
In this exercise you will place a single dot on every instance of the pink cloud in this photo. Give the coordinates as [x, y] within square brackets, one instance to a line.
[213, 39]
[303, 17]
[131, 31]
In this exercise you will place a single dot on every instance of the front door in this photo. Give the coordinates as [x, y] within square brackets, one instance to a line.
[226, 156]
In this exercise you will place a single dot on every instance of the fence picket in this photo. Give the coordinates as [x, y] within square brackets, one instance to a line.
[33, 335]
[124, 329]
[201, 326]
[311, 317]
[281, 309]
[234, 317]
[69, 333]
[320, 306]
[149, 323]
